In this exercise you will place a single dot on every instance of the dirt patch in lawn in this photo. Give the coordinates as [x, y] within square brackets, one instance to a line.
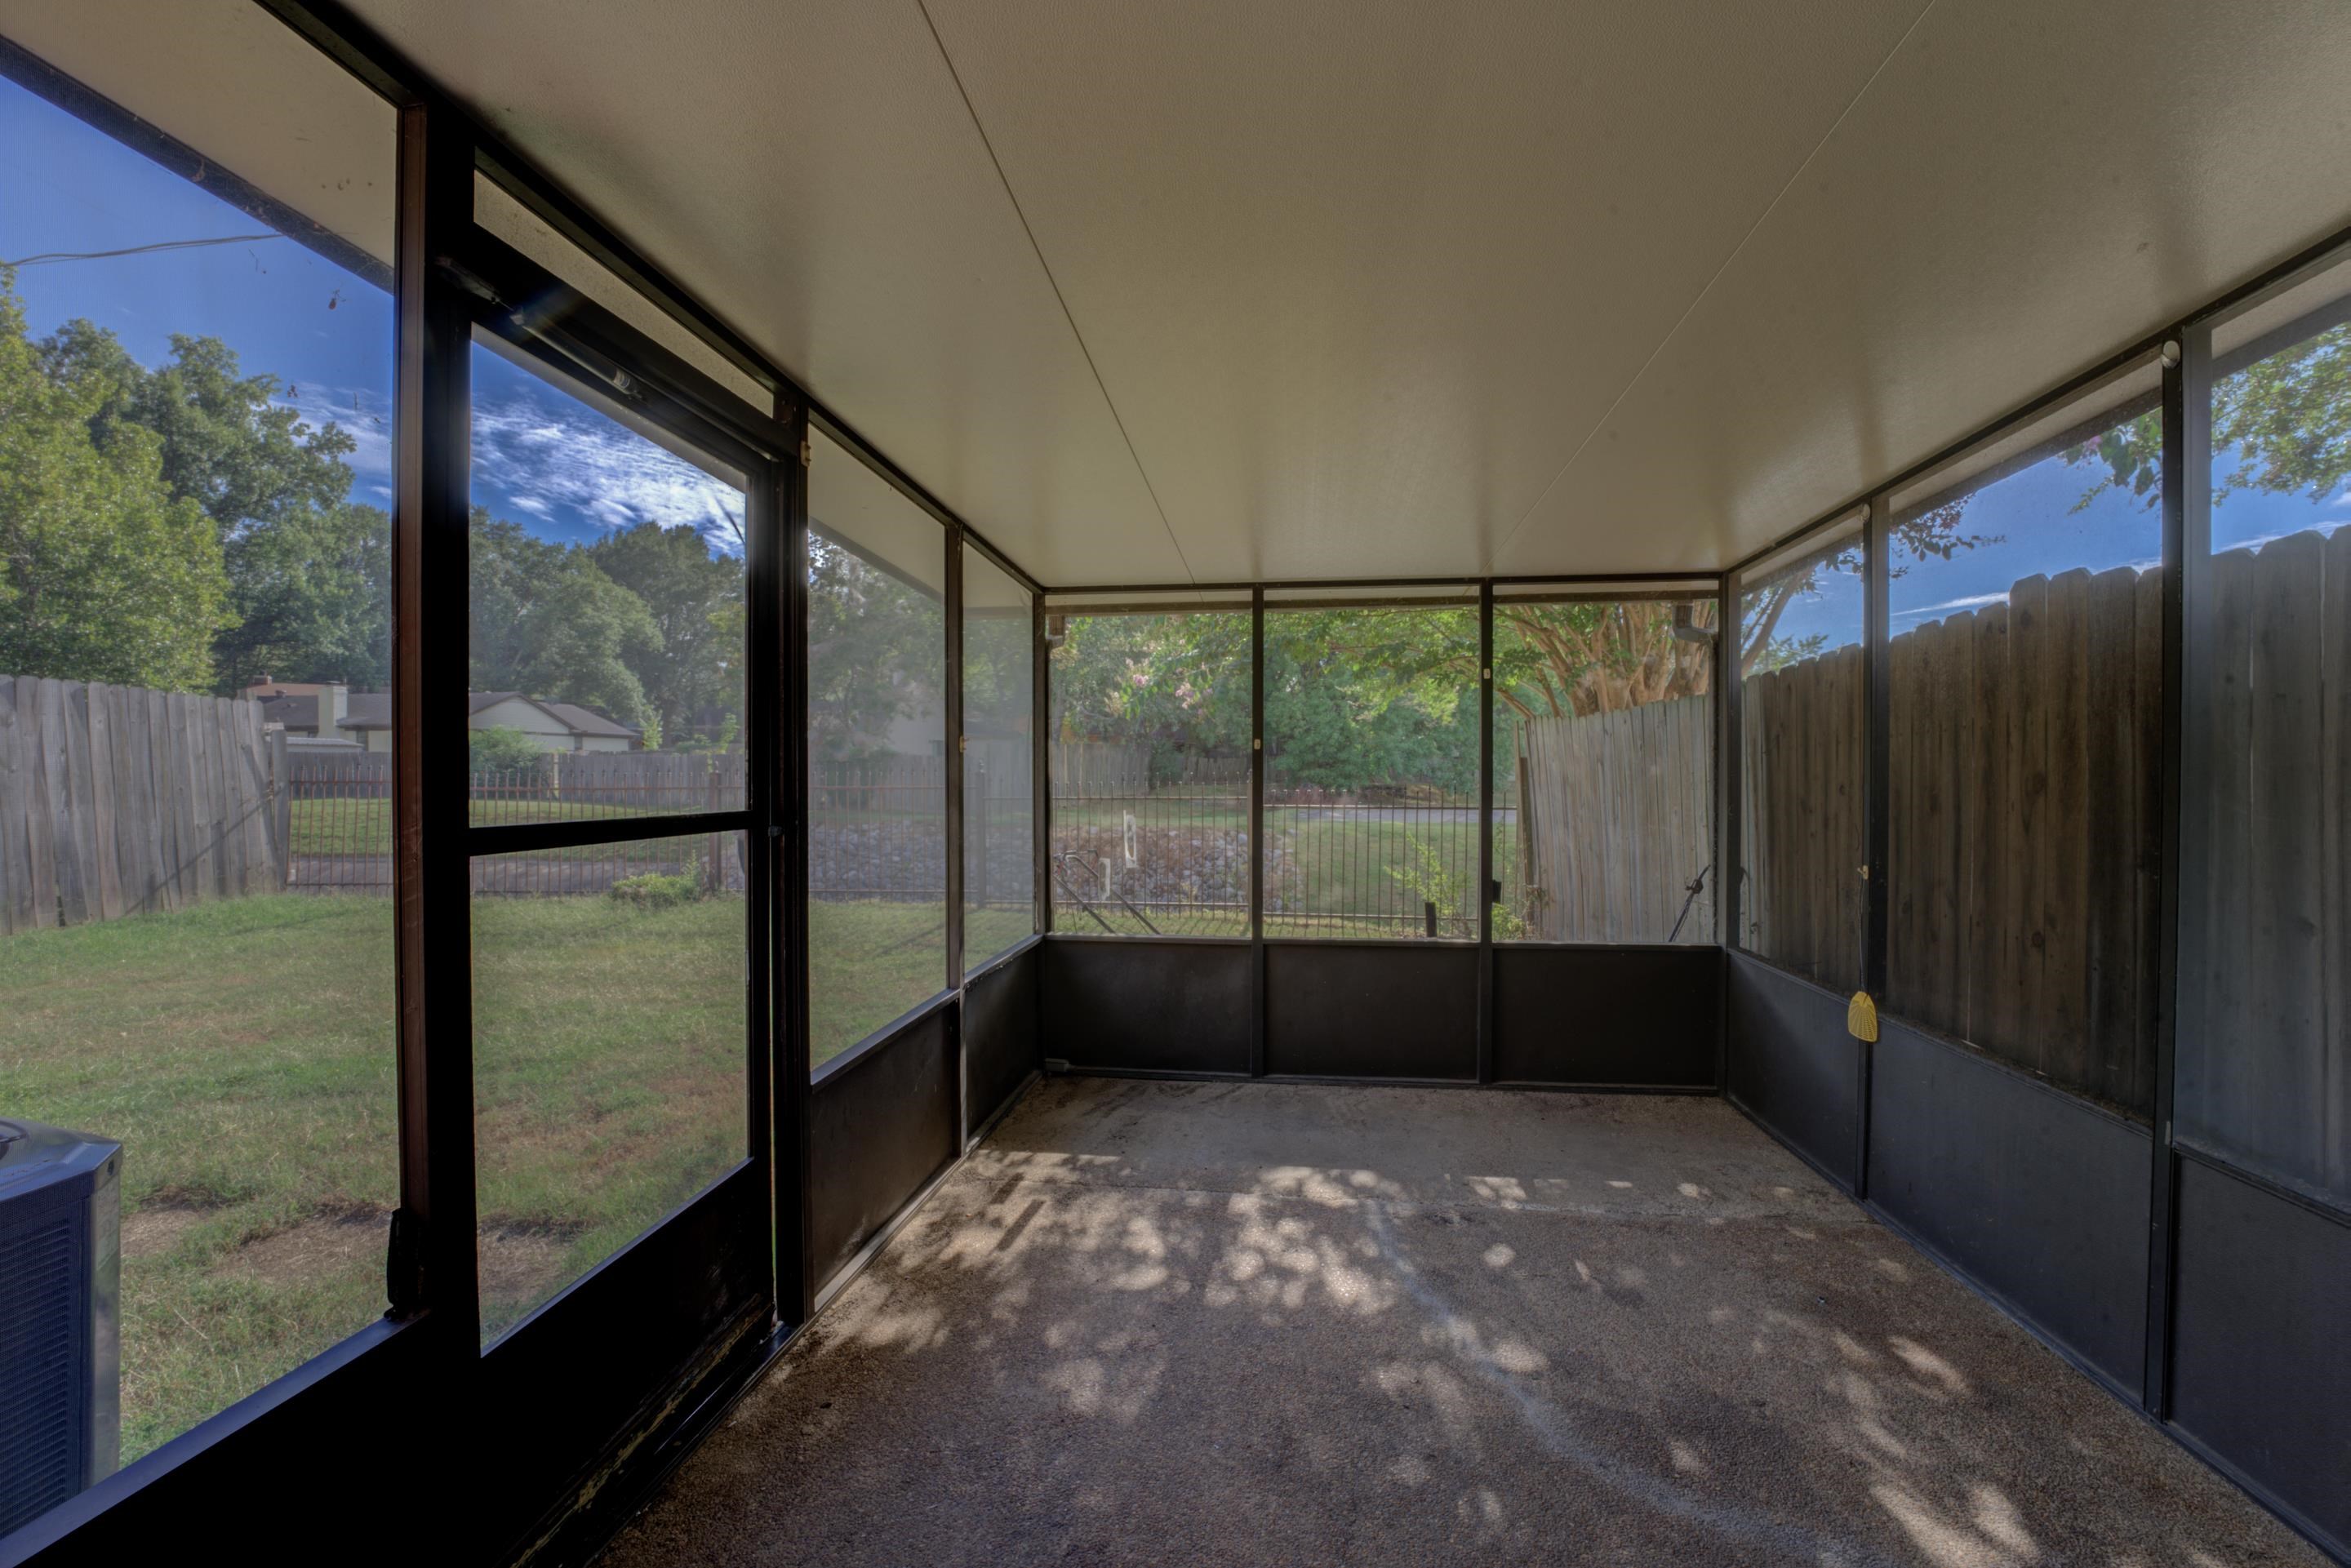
[518, 1262]
[158, 1225]
[325, 1243]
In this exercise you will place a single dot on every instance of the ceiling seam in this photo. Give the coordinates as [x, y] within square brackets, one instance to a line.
[1493, 562]
[1055, 285]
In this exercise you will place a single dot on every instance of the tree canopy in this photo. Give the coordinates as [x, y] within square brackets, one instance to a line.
[184, 527]
[106, 573]
[877, 652]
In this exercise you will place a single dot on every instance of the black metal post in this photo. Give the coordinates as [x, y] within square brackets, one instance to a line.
[953, 764]
[1257, 832]
[1730, 887]
[1486, 891]
[432, 1265]
[1877, 540]
[1041, 762]
[764, 718]
[795, 1264]
[2187, 553]
[953, 768]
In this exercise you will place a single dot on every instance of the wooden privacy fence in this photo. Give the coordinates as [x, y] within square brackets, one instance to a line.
[2024, 822]
[2263, 1066]
[648, 780]
[2023, 816]
[1800, 827]
[1615, 821]
[117, 801]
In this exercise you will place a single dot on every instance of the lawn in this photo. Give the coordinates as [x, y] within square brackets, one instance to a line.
[242, 1052]
[870, 962]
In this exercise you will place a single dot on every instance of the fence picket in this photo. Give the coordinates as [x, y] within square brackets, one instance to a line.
[16, 865]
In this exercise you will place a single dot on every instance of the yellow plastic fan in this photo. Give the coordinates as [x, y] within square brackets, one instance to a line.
[1861, 1017]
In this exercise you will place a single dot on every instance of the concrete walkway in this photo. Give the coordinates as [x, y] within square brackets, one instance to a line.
[1168, 1322]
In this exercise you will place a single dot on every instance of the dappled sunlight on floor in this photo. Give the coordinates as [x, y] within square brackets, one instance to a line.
[1156, 1322]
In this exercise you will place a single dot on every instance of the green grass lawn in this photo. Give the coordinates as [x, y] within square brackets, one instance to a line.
[870, 962]
[242, 1052]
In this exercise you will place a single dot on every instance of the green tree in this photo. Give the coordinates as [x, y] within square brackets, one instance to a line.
[1177, 684]
[105, 574]
[547, 623]
[1381, 697]
[1600, 657]
[2286, 417]
[308, 570]
[874, 646]
[696, 600]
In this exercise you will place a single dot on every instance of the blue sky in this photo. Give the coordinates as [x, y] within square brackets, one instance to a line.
[2032, 516]
[541, 458]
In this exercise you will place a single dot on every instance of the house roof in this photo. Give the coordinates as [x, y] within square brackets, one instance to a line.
[361, 710]
[367, 710]
[372, 710]
[586, 721]
[571, 716]
[293, 712]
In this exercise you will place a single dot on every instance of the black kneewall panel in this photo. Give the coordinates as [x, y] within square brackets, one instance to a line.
[381, 1411]
[999, 1036]
[1637, 1017]
[1135, 1005]
[1337, 1009]
[2039, 1199]
[675, 1287]
[2261, 1362]
[879, 1129]
[1793, 1065]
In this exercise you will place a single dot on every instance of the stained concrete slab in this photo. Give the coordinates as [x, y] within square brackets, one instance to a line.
[1168, 1322]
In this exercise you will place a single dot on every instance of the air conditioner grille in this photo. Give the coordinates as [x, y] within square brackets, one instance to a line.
[40, 1368]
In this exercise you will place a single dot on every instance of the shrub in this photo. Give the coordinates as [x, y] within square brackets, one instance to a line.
[500, 749]
[655, 891]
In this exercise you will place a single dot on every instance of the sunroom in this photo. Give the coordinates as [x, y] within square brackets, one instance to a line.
[1297, 783]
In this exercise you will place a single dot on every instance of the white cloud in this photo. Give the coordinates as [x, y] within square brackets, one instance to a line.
[360, 413]
[1972, 602]
[574, 460]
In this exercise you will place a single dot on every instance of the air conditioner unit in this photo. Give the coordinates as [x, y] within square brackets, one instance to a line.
[60, 1316]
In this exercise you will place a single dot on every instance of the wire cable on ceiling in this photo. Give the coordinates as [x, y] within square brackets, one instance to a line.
[1055, 284]
[49, 256]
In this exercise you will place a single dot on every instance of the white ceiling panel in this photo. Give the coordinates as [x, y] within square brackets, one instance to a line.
[2024, 191]
[1357, 274]
[810, 170]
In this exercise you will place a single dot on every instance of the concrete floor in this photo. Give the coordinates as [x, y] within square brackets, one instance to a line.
[1173, 1323]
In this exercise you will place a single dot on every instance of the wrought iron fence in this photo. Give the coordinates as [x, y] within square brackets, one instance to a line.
[1131, 851]
[1161, 847]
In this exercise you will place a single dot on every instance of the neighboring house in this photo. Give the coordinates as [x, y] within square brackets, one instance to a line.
[364, 718]
[358, 719]
[919, 733]
[552, 726]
